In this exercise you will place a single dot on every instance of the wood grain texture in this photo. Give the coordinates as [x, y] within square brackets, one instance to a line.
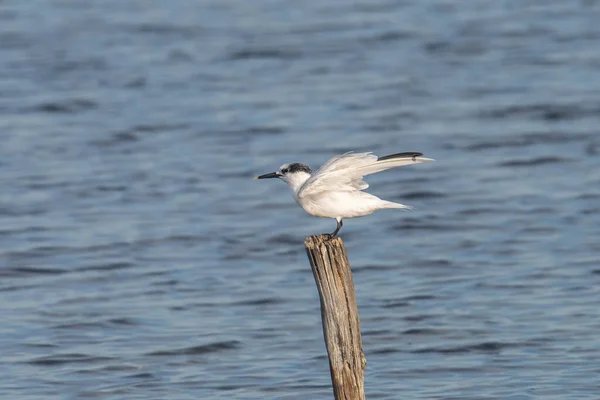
[339, 314]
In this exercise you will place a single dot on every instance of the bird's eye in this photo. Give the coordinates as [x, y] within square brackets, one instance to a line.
[284, 171]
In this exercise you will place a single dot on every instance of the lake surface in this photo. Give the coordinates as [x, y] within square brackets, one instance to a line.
[139, 260]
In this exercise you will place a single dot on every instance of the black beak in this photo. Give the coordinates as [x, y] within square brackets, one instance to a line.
[267, 176]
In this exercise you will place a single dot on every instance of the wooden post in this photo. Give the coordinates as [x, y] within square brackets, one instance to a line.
[339, 314]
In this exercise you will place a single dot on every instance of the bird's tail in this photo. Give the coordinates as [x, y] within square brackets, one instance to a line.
[391, 204]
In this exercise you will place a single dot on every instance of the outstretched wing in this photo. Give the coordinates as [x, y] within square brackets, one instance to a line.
[345, 172]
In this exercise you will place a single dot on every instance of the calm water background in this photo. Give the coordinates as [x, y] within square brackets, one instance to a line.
[139, 260]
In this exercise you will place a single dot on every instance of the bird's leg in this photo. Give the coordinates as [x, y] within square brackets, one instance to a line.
[339, 226]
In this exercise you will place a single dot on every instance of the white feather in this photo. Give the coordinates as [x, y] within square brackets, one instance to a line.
[344, 173]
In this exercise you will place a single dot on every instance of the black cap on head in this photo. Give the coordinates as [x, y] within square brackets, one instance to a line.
[296, 167]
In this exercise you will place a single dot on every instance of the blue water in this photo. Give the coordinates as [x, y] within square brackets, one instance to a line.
[139, 260]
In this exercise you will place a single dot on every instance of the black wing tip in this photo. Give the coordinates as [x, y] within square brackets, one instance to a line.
[409, 154]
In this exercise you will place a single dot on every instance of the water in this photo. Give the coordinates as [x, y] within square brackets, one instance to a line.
[138, 260]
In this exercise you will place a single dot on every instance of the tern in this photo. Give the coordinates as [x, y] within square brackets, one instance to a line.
[336, 189]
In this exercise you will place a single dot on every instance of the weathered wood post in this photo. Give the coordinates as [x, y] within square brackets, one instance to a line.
[339, 314]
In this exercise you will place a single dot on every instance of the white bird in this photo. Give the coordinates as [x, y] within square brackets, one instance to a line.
[335, 189]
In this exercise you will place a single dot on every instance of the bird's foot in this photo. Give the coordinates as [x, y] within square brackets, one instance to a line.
[328, 236]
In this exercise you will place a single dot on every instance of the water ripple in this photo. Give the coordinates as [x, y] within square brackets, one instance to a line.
[216, 347]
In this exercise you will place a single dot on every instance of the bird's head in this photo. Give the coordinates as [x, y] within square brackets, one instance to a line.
[294, 174]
